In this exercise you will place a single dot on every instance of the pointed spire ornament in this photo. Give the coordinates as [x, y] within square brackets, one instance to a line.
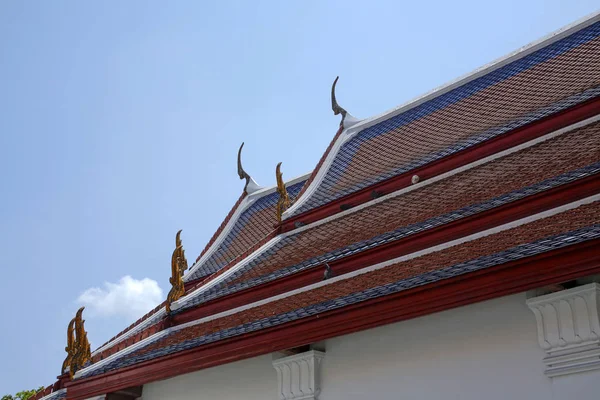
[178, 266]
[337, 109]
[284, 200]
[78, 347]
[251, 186]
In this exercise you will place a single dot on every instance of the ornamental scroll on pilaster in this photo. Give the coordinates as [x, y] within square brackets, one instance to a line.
[299, 376]
[568, 324]
[78, 347]
[178, 266]
[283, 202]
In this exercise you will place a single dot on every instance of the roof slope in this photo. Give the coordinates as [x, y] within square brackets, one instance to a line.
[522, 91]
[252, 220]
[528, 238]
[572, 156]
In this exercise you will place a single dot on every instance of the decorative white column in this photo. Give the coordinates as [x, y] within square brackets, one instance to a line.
[569, 329]
[299, 376]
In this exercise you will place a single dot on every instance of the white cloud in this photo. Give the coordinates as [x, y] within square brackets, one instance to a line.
[130, 298]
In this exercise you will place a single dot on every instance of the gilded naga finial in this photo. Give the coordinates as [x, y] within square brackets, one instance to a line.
[337, 109]
[178, 266]
[78, 347]
[284, 200]
[70, 349]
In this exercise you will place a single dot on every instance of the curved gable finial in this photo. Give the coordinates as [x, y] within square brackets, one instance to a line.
[251, 185]
[337, 109]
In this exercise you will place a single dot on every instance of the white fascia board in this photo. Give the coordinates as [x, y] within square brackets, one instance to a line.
[354, 129]
[244, 205]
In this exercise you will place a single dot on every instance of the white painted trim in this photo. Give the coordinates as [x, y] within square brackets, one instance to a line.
[349, 275]
[54, 394]
[244, 205]
[481, 71]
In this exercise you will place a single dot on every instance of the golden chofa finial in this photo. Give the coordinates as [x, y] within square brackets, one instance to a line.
[284, 200]
[178, 266]
[78, 347]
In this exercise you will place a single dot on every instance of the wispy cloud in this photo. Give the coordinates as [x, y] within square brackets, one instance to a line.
[129, 297]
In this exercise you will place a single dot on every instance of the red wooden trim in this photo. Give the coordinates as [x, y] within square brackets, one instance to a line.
[466, 226]
[456, 160]
[515, 277]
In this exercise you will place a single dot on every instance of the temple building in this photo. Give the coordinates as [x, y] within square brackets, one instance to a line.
[448, 248]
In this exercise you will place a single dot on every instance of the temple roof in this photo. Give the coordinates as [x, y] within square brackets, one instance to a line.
[525, 183]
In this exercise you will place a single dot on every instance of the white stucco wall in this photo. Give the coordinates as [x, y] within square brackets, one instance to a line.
[483, 351]
[252, 379]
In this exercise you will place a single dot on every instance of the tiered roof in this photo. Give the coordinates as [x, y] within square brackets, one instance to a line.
[459, 196]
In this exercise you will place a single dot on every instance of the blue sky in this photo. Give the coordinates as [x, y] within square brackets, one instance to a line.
[120, 123]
